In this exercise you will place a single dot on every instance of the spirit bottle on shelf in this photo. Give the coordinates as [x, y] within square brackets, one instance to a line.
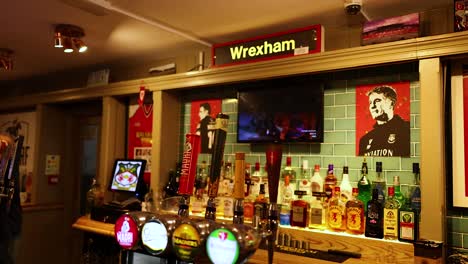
[408, 224]
[288, 171]
[330, 183]
[199, 203]
[304, 183]
[379, 182]
[390, 226]
[355, 214]
[256, 179]
[345, 187]
[172, 185]
[317, 214]
[260, 209]
[398, 195]
[247, 180]
[364, 185]
[299, 210]
[416, 192]
[374, 217]
[336, 216]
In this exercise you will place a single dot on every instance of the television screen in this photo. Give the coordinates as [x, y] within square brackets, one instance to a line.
[281, 110]
[127, 174]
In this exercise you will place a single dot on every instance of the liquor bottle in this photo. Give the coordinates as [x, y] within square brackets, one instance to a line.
[398, 195]
[391, 215]
[94, 197]
[374, 217]
[379, 183]
[304, 183]
[288, 171]
[228, 178]
[239, 190]
[285, 214]
[317, 214]
[287, 193]
[336, 216]
[408, 224]
[260, 209]
[355, 215]
[247, 181]
[330, 183]
[317, 182]
[256, 179]
[345, 187]
[364, 185]
[172, 185]
[299, 210]
[416, 193]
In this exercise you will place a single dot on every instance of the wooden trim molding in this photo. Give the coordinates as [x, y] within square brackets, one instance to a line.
[398, 51]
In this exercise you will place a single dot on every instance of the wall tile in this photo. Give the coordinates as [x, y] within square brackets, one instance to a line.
[465, 240]
[407, 163]
[388, 163]
[336, 161]
[335, 137]
[415, 134]
[415, 106]
[326, 149]
[351, 111]
[345, 149]
[334, 111]
[345, 99]
[329, 125]
[345, 124]
[351, 137]
[241, 148]
[329, 100]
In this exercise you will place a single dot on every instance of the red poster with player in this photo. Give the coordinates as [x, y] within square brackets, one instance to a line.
[140, 126]
[383, 119]
[202, 113]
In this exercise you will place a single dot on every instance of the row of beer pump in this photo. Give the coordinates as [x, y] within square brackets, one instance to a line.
[198, 240]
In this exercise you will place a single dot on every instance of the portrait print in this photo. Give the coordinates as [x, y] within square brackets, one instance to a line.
[383, 120]
[202, 114]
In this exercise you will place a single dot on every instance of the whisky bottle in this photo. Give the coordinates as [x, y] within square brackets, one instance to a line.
[345, 187]
[379, 183]
[330, 183]
[364, 185]
[336, 217]
[260, 209]
[317, 182]
[304, 183]
[299, 210]
[355, 215]
[391, 216]
[374, 217]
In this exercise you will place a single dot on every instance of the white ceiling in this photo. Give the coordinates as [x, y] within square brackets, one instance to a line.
[27, 26]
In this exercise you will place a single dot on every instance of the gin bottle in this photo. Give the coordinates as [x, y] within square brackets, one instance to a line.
[364, 185]
[379, 183]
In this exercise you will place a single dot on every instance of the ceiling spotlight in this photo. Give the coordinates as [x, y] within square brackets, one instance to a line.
[69, 37]
[58, 40]
[67, 45]
[6, 60]
[79, 44]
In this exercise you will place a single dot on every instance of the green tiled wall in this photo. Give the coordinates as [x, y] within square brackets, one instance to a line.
[457, 227]
[339, 144]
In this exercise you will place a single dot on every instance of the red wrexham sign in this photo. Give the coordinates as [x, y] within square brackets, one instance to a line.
[273, 46]
[126, 232]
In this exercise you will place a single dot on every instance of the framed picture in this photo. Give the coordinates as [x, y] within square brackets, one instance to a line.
[457, 145]
[127, 174]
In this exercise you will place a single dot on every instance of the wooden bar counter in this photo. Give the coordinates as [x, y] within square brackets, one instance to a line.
[372, 250]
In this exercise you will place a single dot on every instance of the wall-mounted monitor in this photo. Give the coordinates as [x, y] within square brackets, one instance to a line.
[281, 110]
[127, 175]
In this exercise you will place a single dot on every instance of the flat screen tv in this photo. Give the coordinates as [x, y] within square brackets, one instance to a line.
[127, 175]
[281, 110]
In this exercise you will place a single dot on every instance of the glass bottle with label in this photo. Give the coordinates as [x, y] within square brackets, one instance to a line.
[408, 224]
[200, 185]
[247, 180]
[355, 215]
[398, 195]
[345, 187]
[288, 171]
[336, 217]
[256, 179]
[416, 193]
[172, 185]
[317, 212]
[304, 183]
[287, 193]
[374, 217]
[379, 183]
[299, 210]
[391, 215]
[330, 183]
[260, 209]
[364, 185]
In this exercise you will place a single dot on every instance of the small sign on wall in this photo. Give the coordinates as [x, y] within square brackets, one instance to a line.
[52, 168]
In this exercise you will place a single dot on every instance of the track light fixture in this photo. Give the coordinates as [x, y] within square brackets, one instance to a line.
[6, 59]
[69, 37]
